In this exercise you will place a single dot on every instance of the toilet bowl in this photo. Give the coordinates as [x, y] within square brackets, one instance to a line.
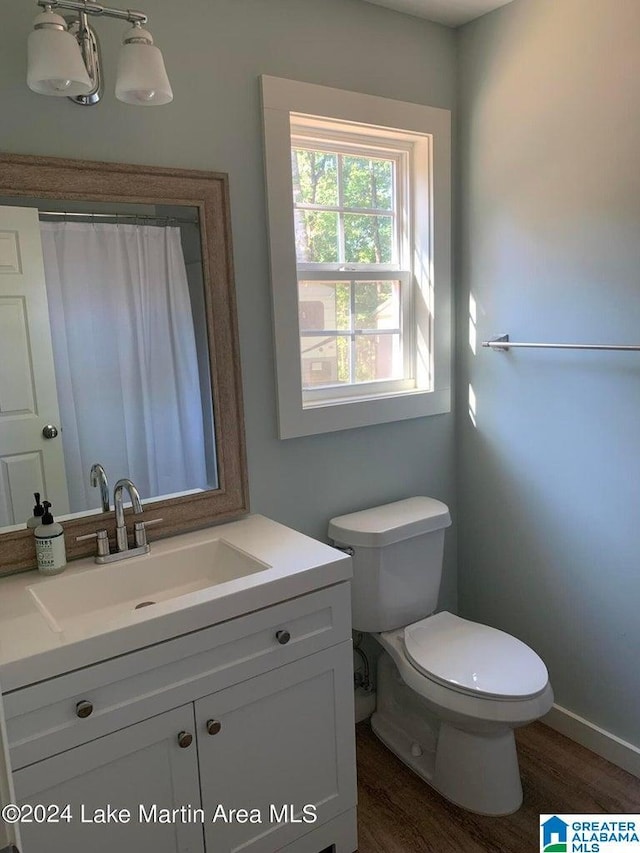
[474, 685]
[450, 692]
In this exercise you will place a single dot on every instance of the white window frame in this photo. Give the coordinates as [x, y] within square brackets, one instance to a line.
[427, 246]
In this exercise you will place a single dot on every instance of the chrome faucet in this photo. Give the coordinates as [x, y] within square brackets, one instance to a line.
[141, 546]
[98, 477]
[122, 541]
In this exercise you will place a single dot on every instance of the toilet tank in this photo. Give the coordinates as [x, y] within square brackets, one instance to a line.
[397, 561]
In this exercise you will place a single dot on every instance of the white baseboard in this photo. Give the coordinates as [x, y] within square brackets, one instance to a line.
[600, 741]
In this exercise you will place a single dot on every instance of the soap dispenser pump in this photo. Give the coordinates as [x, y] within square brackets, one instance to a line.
[38, 512]
[50, 549]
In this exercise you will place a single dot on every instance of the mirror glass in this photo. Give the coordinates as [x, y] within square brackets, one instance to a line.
[122, 353]
[115, 339]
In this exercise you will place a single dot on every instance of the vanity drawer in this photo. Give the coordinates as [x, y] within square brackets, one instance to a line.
[46, 718]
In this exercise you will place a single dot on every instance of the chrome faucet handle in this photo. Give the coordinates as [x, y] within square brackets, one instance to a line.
[101, 537]
[140, 531]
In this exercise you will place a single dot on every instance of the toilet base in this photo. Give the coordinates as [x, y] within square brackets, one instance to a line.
[478, 771]
[399, 742]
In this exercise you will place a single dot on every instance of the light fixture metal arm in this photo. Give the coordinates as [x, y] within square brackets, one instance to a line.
[88, 7]
[88, 41]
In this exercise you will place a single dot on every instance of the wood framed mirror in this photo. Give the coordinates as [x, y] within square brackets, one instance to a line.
[135, 200]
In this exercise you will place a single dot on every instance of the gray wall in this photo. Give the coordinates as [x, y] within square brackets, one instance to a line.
[549, 480]
[215, 50]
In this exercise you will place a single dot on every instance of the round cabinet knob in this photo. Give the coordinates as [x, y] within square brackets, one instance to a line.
[213, 726]
[84, 709]
[50, 431]
[283, 637]
[185, 740]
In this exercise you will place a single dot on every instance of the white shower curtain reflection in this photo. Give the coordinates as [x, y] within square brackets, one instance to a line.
[125, 357]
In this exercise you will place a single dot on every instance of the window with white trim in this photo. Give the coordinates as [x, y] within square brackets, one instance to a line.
[360, 273]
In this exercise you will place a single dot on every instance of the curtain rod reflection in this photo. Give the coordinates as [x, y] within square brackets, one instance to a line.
[136, 217]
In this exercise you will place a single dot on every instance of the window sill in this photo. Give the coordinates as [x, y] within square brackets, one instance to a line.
[349, 413]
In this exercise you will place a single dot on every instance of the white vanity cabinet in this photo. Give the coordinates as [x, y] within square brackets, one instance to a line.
[253, 714]
[285, 741]
[140, 764]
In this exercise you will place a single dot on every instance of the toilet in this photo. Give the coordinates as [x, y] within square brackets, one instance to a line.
[450, 692]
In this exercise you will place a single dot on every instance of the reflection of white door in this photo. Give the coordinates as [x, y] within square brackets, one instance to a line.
[28, 402]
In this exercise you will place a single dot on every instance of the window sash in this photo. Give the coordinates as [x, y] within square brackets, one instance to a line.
[355, 272]
[348, 333]
[356, 211]
[324, 394]
[333, 142]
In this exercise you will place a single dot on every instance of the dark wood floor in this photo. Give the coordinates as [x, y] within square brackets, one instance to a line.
[398, 813]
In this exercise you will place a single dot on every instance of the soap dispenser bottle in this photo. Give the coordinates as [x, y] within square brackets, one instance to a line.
[50, 549]
[38, 512]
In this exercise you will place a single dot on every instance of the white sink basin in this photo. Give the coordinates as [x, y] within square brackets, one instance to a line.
[106, 594]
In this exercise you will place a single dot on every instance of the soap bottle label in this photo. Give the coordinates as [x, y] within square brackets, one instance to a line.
[50, 553]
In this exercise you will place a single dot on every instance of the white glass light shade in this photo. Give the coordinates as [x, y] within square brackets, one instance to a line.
[55, 64]
[142, 78]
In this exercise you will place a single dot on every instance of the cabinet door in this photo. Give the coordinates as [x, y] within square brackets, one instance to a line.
[140, 766]
[282, 740]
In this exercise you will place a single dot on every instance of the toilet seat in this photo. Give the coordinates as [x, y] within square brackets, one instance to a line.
[474, 659]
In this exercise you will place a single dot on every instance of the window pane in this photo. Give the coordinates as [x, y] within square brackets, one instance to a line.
[324, 305]
[325, 361]
[377, 304]
[367, 182]
[314, 176]
[368, 239]
[378, 357]
[316, 236]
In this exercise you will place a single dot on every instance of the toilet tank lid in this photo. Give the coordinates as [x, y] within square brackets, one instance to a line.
[384, 525]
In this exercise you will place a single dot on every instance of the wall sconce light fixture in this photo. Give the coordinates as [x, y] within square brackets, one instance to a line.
[64, 56]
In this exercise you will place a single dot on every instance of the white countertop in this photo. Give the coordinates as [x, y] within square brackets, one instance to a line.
[31, 651]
